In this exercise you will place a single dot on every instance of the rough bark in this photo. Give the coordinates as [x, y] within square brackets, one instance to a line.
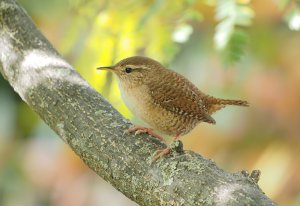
[94, 130]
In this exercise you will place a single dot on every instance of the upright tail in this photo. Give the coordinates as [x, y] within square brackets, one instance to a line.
[214, 104]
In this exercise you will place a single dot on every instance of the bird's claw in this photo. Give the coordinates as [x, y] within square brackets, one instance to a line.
[139, 130]
[160, 153]
[125, 132]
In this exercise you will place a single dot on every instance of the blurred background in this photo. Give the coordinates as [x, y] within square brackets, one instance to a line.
[232, 49]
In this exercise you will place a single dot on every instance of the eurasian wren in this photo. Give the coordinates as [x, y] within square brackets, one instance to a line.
[164, 99]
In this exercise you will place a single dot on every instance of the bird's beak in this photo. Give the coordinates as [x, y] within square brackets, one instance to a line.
[109, 68]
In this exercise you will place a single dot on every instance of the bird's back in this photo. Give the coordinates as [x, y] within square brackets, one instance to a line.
[183, 102]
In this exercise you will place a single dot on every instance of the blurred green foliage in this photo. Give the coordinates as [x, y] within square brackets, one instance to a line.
[229, 37]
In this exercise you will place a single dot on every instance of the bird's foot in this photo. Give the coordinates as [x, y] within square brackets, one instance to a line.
[174, 147]
[140, 129]
[160, 153]
[178, 135]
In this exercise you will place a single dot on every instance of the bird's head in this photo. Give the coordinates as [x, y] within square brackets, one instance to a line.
[136, 70]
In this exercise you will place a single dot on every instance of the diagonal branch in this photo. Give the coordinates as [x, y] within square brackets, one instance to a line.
[94, 130]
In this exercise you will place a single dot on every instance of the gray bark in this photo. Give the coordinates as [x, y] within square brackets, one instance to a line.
[94, 130]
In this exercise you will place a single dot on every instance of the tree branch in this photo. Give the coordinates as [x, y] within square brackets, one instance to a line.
[94, 130]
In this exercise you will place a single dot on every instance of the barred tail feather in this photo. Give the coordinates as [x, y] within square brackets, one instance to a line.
[232, 102]
[215, 104]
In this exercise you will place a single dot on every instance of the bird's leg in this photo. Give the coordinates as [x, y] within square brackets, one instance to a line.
[163, 152]
[139, 129]
[176, 137]
[160, 153]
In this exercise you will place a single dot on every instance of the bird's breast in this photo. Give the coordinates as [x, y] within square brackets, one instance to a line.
[136, 100]
[140, 102]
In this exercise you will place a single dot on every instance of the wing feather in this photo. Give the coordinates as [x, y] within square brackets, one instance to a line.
[180, 96]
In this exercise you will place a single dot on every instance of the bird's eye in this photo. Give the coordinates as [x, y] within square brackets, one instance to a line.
[128, 70]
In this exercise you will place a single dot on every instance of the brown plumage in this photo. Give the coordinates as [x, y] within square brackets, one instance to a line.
[164, 99]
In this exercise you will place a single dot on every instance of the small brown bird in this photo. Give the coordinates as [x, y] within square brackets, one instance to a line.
[165, 100]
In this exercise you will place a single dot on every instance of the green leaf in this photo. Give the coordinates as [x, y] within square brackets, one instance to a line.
[244, 15]
[225, 8]
[283, 3]
[293, 19]
[228, 40]
[235, 47]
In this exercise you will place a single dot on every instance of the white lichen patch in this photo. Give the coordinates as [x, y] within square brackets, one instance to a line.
[168, 182]
[61, 131]
[44, 104]
[5, 6]
[114, 124]
[75, 142]
[224, 192]
[100, 112]
[37, 59]
[38, 66]
[8, 56]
